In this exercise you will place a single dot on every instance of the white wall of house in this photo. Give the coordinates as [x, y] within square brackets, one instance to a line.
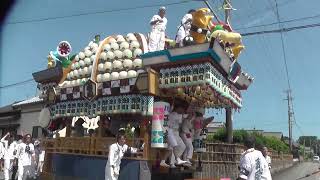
[29, 118]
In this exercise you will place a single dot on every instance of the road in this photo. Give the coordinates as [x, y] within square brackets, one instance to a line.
[302, 171]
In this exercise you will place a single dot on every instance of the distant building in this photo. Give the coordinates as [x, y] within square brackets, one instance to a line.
[22, 117]
[213, 127]
[277, 135]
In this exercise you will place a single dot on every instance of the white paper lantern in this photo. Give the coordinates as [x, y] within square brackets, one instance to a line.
[127, 64]
[90, 43]
[75, 73]
[86, 70]
[90, 68]
[103, 56]
[137, 63]
[134, 45]
[124, 45]
[114, 76]
[81, 63]
[132, 74]
[101, 67]
[131, 37]
[99, 78]
[117, 65]
[137, 52]
[114, 46]
[77, 65]
[86, 48]
[106, 47]
[106, 77]
[110, 56]
[88, 53]
[92, 58]
[81, 55]
[95, 49]
[123, 75]
[73, 66]
[76, 58]
[108, 66]
[71, 74]
[94, 45]
[120, 39]
[87, 61]
[127, 53]
[80, 71]
[118, 54]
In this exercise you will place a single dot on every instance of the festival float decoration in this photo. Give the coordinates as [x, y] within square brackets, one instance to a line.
[117, 76]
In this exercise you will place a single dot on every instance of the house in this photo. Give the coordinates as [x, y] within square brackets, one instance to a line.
[22, 117]
[213, 127]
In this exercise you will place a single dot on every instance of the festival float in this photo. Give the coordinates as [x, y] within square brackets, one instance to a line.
[116, 78]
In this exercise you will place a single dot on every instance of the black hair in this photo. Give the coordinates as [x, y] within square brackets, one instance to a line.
[249, 142]
[120, 135]
[191, 11]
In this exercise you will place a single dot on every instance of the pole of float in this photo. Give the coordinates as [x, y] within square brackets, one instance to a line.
[229, 125]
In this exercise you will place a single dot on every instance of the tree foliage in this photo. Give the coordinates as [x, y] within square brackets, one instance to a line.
[240, 135]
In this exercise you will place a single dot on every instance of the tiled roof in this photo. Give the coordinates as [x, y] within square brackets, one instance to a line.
[32, 100]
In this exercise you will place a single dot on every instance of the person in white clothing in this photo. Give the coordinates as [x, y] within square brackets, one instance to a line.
[186, 134]
[116, 152]
[253, 166]
[25, 156]
[158, 27]
[9, 153]
[184, 28]
[174, 140]
[265, 153]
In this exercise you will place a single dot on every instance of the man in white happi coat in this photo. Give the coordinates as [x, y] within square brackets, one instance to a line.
[116, 152]
[158, 27]
[25, 157]
[253, 166]
[184, 28]
[175, 142]
[187, 133]
[9, 154]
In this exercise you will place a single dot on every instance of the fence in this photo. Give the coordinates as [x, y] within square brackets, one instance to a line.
[222, 161]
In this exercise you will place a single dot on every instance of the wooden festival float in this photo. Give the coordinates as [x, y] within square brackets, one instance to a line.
[117, 78]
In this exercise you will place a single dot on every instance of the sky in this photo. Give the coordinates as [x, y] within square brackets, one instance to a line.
[26, 43]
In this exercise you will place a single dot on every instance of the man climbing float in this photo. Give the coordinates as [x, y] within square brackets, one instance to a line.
[158, 27]
[184, 28]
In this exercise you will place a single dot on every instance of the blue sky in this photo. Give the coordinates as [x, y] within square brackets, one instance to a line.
[24, 47]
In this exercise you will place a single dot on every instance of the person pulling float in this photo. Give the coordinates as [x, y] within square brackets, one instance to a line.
[116, 153]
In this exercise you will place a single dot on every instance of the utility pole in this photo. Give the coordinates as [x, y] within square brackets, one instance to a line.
[228, 109]
[290, 113]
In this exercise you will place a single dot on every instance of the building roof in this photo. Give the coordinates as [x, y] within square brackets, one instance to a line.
[215, 125]
[32, 100]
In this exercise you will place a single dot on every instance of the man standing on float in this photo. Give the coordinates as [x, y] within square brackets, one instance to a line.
[174, 140]
[184, 28]
[158, 27]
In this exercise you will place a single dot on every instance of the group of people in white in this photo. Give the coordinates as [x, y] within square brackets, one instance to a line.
[22, 158]
[158, 24]
[181, 130]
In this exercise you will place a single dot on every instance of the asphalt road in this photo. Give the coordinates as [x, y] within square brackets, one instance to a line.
[302, 171]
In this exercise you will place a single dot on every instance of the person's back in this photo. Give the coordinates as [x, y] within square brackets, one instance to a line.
[253, 166]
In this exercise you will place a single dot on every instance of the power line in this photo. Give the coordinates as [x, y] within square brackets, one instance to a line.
[17, 83]
[281, 30]
[281, 22]
[98, 12]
